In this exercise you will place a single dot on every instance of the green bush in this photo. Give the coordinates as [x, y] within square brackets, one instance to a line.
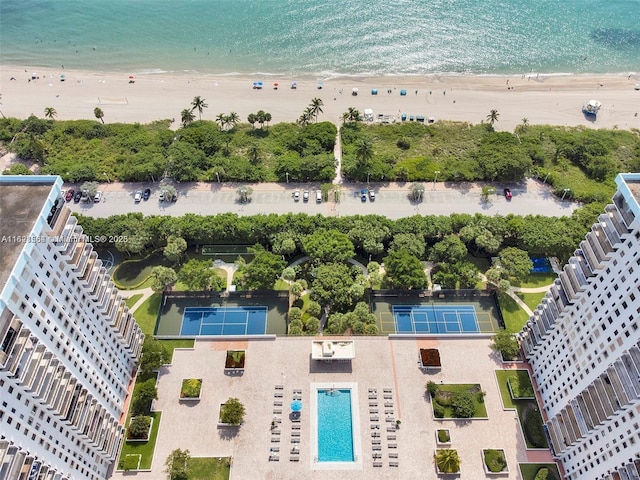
[191, 388]
[139, 427]
[545, 474]
[432, 388]
[443, 399]
[495, 460]
[463, 405]
[533, 428]
[232, 412]
[443, 436]
[438, 410]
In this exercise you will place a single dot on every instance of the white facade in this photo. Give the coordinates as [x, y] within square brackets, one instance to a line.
[68, 343]
[583, 343]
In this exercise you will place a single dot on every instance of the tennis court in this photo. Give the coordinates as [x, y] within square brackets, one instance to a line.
[435, 319]
[224, 321]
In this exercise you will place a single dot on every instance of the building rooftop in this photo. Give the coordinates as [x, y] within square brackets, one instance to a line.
[20, 206]
[634, 188]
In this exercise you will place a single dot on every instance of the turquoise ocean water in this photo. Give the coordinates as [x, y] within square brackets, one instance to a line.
[324, 38]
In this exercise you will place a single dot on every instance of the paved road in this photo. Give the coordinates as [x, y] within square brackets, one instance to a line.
[391, 201]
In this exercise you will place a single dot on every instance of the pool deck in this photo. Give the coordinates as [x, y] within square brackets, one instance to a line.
[380, 363]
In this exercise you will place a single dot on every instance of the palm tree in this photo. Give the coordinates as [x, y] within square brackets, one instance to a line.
[50, 112]
[187, 117]
[221, 120]
[447, 460]
[233, 119]
[354, 114]
[267, 118]
[254, 153]
[198, 104]
[493, 116]
[364, 151]
[316, 108]
[252, 118]
[99, 114]
[305, 118]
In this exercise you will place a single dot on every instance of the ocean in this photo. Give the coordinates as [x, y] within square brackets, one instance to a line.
[324, 38]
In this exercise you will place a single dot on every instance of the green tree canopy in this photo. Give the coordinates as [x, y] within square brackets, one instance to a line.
[154, 355]
[232, 412]
[404, 270]
[332, 286]
[515, 263]
[450, 250]
[328, 246]
[505, 343]
[177, 465]
[198, 275]
[162, 277]
[412, 243]
[175, 248]
[263, 271]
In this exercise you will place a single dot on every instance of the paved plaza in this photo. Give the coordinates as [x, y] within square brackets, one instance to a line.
[276, 368]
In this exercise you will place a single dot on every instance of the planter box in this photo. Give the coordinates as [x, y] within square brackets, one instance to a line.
[440, 472]
[146, 439]
[430, 358]
[220, 424]
[438, 437]
[505, 469]
[514, 397]
[234, 361]
[185, 382]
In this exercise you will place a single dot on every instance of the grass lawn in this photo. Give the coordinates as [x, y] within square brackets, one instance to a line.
[172, 344]
[481, 409]
[145, 449]
[209, 468]
[481, 263]
[131, 273]
[531, 299]
[514, 316]
[520, 405]
[281, 285]
[529, 470]
[522, 376]
[133, 299]
[535, 280]
[147, 313]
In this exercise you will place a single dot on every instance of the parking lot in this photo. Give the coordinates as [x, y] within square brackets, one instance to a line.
[391, 200]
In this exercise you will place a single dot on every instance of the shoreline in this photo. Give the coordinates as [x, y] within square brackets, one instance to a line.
[554, 99]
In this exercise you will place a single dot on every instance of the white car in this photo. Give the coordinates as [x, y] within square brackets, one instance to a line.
[305, 196]
[137, 197]
[296, 196]
[97, 197]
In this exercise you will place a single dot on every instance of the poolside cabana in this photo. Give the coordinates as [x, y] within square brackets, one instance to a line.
[330, 350]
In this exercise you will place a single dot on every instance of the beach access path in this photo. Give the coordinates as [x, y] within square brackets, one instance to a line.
[540, 98]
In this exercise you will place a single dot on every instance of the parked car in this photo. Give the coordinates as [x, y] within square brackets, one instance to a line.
[363, 195]
[137, 197]
[146, 194]
[318, 196]
[296, 196]
[97, 197]
[69, 195]
[305, 195]
[372, 195]
[507, 194]
[77, 196]
[174, 198]
[161, 196]
[84, 197]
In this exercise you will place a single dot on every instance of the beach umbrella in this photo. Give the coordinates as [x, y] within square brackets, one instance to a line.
[130, 76]
[62, 78]
[296, 406]
[275, 85]
[320, 84]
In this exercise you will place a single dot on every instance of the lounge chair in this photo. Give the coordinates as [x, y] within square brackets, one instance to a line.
[377, 464]
[393, 464]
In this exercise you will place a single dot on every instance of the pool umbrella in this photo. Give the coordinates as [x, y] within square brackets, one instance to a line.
[130, 76]
[275, 85]
[296, 405]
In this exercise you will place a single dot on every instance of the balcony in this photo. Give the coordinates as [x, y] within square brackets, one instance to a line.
[616, 219]
[609, 229]
[623, 208]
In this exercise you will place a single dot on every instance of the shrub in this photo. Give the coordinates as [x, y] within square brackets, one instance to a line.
[314, 309]
[447, 460]
[494, 460]
[403, 144]
[480, 397]
[191, 388]
[143, 398]
[130, 462]
[544, 474]
[442, 399]
[463, 405]
[506, 344]
[232, 412]
[438, 410]
[443, 436]
[139, 427]
[533, 428]
[432, 388]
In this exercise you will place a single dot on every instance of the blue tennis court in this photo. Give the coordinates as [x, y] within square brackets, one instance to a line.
[435, 319]
[224, 321]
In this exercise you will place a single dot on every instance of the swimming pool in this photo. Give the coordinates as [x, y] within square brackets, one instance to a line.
[541, 265]
[335, 425]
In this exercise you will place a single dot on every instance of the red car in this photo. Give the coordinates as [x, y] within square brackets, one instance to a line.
[507, 194]
[69, 195]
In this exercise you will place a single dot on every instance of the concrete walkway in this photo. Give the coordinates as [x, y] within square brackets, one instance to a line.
[513, 290]
[145, 292]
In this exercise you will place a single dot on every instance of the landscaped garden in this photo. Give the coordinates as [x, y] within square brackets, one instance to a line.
[190, 389]
[528, 411]
[495, 460]
[457, 400]
[539, 471]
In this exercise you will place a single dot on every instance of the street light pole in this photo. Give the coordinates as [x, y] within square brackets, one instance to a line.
[287, 174]
[566, 190]
[218, 177]
[368, 176]
[106, 176]
[545, 178]
[435, 178]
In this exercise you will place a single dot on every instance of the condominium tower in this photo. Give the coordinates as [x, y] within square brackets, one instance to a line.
[583, 343]
[68, 343]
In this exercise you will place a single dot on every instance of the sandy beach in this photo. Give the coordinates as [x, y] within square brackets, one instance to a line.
[542, 99]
